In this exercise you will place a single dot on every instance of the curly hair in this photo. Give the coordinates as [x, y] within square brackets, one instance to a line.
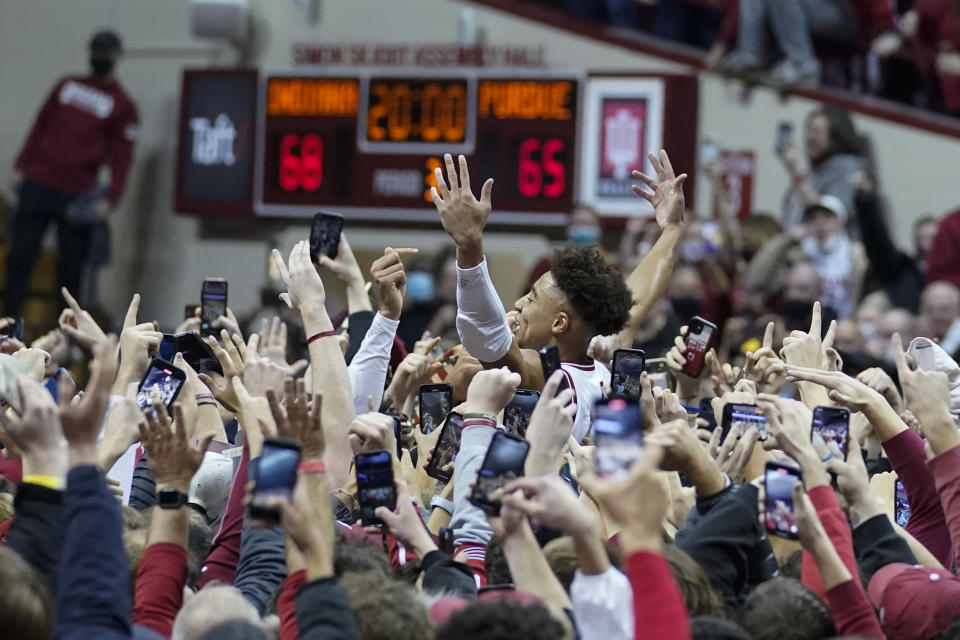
[597, 292]
[501, 620]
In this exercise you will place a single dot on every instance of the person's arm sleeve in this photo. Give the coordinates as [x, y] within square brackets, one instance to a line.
[469, 523]
[927, 523]
[835, 524]
[481, 321]
[368, 369]
[224, 554]
[442, 575]
[32, 143]
[731, 20]
[658, 608]
[143, 486]
[287, 606]
[946, 475]
[760, 272]
[877, 545]
[120, 147]
[323, 611]
[853, 617]
[37, 530]
[262, 565]
[723, 536]
[885, 258]
[158, 591]
[93, 583]
[944, 260]
[603, 605]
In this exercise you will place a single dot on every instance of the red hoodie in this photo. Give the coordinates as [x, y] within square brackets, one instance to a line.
[84, 122]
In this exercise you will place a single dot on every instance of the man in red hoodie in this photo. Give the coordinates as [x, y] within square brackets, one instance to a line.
[85, 122]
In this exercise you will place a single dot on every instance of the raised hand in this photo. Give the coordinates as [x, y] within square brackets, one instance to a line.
[764, 367]
[121, 428]
[79, 324]
[273, 345]
[372, 432]
[81, 420]
[491, 390]
[733, 453]
[300, 419]
[227, 323]
[405, 524]
[138, 343]
[344, 266]
[788, 422]
[36, 432]
[260, 376]
[231, 362]
[687, 386]
[843, 389]
[305, 291]
[927, 396]
[549, 502]
[878, 380]
[387, 272]
[667, 196]
[549, 428]
[463, 216]
[173, 460]
[810, 349]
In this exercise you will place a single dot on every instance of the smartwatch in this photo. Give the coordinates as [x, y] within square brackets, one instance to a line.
[171, 499]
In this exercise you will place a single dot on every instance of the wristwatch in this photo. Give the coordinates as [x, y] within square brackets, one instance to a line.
[171, 498]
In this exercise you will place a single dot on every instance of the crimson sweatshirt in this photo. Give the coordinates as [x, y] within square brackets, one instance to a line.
[658, 608]
[944, 260]
[84, 122]
[158, 594]
[946, 474]
[927, 523]
[835, 524]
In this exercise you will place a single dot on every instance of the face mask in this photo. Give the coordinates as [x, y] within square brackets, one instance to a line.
[693, 250]
[685, 307]
[867, 329]
[580, 235]
[420, 286]
[100, 66]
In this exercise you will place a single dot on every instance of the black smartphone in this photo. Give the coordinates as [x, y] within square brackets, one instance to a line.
[276, 476]
[163, 376]
[504, 462]
[213, 304]
[699, 339]
[778, 509]
[516, 415]
[618, 433]
[398, 435]
[659, 373]
[901, 504]
[436, 400]
[833, 425]
[628, 364]
[375, 486]
[706, 412]
[741, 417]
[168, 347]
[325, 235]
[550, 362]
[445, 453]
[784, 135]
[198, 353]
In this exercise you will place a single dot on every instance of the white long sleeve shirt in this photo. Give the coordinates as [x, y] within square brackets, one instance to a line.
[603, 605]
[368, 369]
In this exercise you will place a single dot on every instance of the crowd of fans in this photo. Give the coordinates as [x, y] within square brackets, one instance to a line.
[122, 522]
[905, 50]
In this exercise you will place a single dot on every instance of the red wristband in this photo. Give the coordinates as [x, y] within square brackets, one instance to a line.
[312, 466]
[322, 334]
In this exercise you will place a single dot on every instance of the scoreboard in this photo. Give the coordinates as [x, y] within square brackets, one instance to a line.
[363, 142]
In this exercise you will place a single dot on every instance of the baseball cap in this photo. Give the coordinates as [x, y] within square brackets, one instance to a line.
[931, 357]
[833, 204]
[211, 484]
[914, 602]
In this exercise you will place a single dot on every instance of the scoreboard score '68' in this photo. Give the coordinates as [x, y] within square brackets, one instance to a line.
[369, 141]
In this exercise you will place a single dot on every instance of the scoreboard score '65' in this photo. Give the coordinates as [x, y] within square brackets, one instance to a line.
[369, 141]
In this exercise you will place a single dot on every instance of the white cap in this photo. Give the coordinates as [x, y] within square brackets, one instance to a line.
[211, 484]
[833, 204]
[931, 357]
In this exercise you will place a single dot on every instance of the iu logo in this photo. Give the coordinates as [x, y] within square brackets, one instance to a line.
[621, 142]
[213, 144]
